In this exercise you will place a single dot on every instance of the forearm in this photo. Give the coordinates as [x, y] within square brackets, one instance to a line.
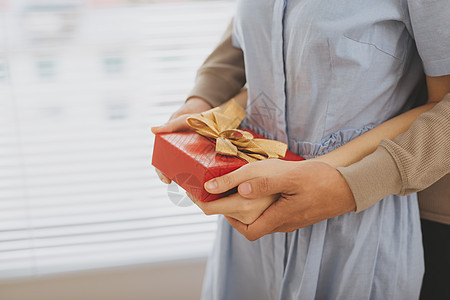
[411, 162]
[357, 149]
[367, 143]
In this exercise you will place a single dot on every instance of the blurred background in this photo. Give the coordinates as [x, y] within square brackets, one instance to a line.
[82, 213]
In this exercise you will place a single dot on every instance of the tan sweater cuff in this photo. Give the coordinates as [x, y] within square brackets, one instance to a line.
[373, 178]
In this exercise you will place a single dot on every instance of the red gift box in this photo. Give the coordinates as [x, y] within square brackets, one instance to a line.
[190, 160]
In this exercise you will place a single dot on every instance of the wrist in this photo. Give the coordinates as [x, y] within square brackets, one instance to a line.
[348, 199]
[196, 105]
[195, 99]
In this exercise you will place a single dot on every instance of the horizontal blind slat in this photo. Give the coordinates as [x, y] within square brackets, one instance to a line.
[77, 190]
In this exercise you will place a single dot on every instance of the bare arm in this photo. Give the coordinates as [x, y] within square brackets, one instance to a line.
[313, 191]
[367, 143]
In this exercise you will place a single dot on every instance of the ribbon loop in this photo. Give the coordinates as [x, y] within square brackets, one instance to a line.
[225, 147]
[222, 125]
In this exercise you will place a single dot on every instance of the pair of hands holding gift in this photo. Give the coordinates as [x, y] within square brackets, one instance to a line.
[273, 195]
[235, 206]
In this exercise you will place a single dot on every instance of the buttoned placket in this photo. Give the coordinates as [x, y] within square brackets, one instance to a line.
[278, 59]
[279, 69]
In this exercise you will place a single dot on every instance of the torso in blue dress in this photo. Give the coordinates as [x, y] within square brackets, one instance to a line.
[320, 73]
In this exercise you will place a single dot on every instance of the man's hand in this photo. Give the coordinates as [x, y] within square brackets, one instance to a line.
[177, 122]
[309, 193]
[244, 210]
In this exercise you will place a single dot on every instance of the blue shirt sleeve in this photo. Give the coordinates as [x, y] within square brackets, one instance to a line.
[430, 23]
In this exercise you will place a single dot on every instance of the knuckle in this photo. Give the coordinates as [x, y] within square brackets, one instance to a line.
[292, 180]
[225, 181]
[178, 113]
[169, 126]
[249, 169]
[245, 167]
[263, 185]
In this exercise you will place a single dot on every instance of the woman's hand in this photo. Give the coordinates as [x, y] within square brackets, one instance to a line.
[177, 122]
[236, 206]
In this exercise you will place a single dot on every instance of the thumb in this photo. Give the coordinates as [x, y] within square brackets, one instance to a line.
[264, 186]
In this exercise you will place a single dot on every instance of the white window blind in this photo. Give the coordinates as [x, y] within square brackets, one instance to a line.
[81, 83]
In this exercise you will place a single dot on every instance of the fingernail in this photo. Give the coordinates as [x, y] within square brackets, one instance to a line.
[245, 188]
[211, 185]
[165, 180]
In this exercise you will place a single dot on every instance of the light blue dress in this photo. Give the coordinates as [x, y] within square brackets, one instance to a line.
[320, 73]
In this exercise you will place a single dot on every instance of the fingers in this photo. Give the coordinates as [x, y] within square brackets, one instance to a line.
[261, 186]
[268, 167]
[267, 185]
[269, 222]
[173, 125]
[177, 121]
[227, 205]
[163, 177]
[227, 182]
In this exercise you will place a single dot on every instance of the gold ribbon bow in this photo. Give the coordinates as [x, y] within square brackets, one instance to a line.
[221, 125]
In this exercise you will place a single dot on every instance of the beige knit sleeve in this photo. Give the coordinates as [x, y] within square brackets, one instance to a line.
[222, 75]
[413, 161]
